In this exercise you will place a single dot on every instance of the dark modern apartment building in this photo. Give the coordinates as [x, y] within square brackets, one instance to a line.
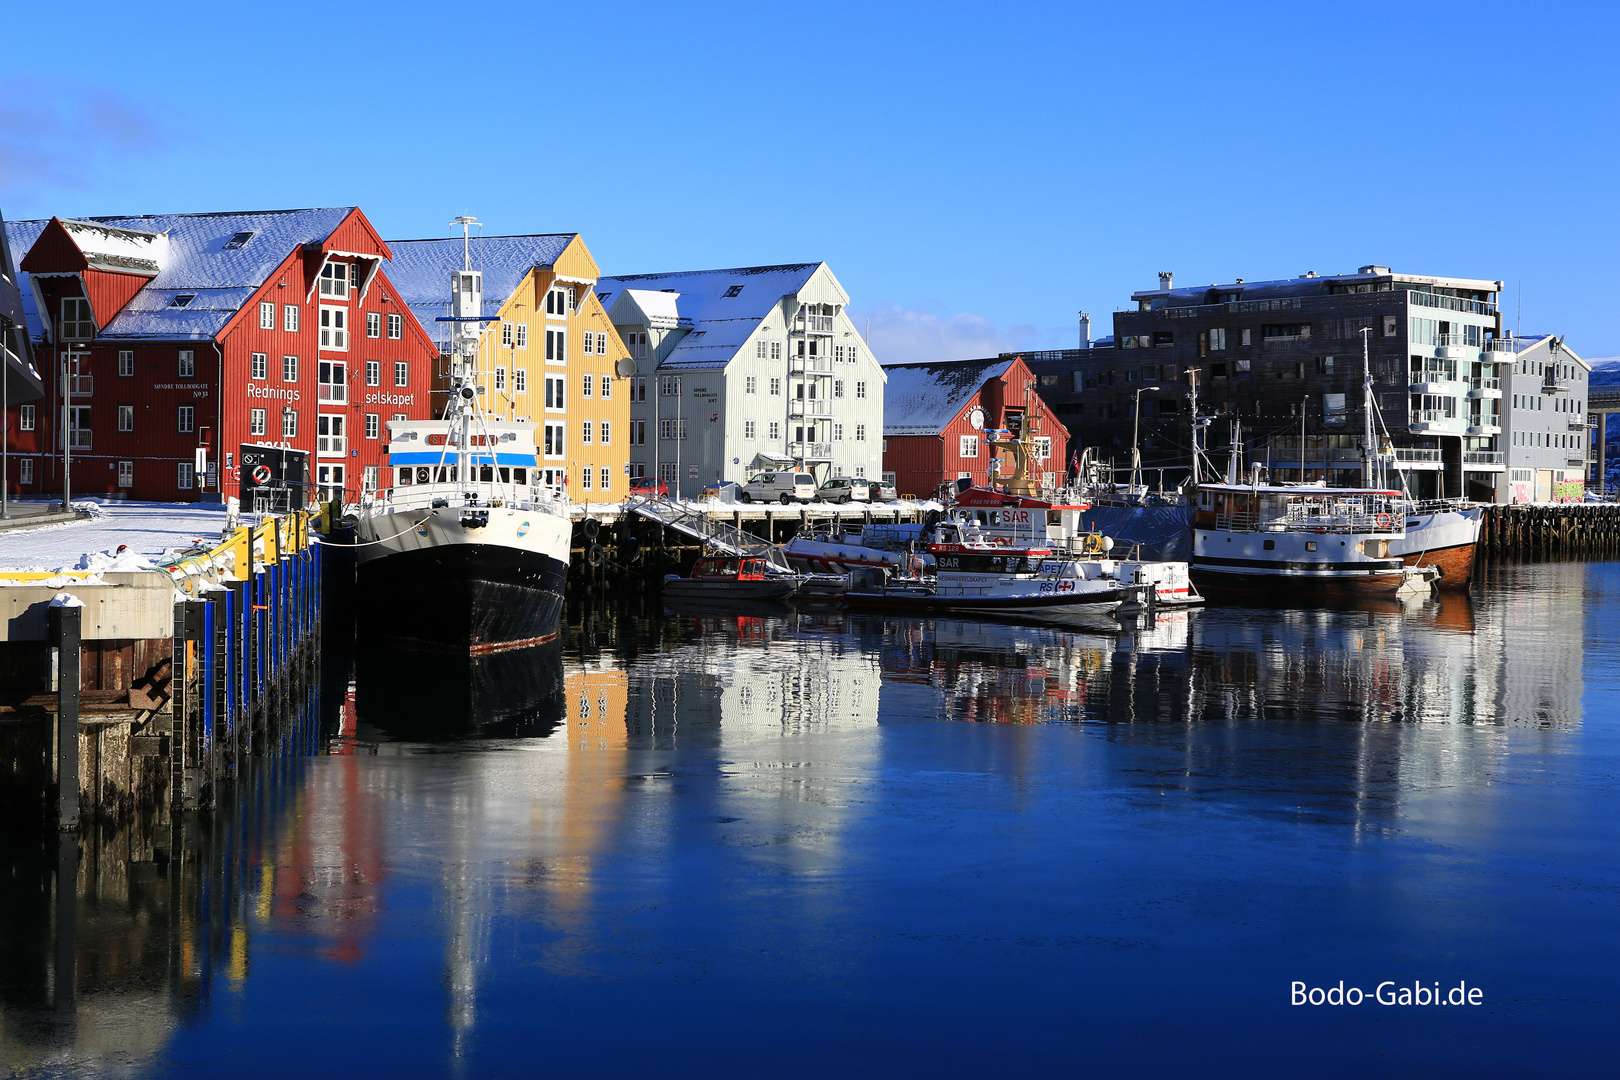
[1281, 361]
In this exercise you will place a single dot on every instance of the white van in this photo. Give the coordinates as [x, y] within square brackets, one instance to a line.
[783, 487]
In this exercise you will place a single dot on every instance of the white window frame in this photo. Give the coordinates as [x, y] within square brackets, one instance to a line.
[968, 447]
[126, 363]
[334, 328]
[257, 421]
[520, 380]
[126, 474]
[186, 364]
[586, 384]
[258, 366]
[331, 435]
[601, 343]
[669, 386]
[332, 382]
[126, 418]
[606, 387]
[25, 471]
[554, 439]
[289, 424]
[267, 315]
[335, 280]
[373, 324]
[860, 389]
[373, 425]
[556, 346]
[373, 372]
[750, 429]
[607, 479]
[585, 431]
[185, 419]
[185, 475]
[776, 386]
[73, 326]
[604, 433]
[402, 373]
[500, 378]
[25, 417]
[775, 431]
[860, 432]
[521, 333]
[289, 369]
[396, 327]
[289, 318]
[556, 394]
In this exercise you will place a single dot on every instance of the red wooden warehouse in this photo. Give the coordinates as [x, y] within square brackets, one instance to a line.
[936, 417]
[175, 333]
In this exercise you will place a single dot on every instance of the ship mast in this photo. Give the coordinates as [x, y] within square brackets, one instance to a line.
[1369, 448]
[466, 310]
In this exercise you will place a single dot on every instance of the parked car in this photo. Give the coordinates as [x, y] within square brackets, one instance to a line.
[782, 487]
[881, 491]
[649, 486]
[843, 489]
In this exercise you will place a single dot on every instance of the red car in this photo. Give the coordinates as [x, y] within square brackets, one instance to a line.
[649, 487]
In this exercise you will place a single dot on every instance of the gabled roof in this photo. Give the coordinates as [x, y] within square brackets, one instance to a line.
[720, 324]
[421, 269]
[197, 261]
[23, 383]
[922, 399]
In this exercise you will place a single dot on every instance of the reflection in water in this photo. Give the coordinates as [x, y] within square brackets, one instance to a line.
[749, 811]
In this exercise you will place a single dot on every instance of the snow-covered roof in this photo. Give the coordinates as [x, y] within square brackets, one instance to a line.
[922, 399]
[192, 253]
[421, 269]
[720, 324]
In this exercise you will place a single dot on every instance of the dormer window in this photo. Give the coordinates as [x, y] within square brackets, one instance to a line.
[335, 280]
[183, 300]
[78, 322]
[734, 290]
[237, 240]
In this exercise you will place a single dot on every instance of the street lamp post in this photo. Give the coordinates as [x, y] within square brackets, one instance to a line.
[1136, 427]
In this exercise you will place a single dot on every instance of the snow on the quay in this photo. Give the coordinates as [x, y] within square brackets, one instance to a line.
[146, 530]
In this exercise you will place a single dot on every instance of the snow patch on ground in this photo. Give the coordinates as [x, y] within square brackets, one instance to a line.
[144, 530]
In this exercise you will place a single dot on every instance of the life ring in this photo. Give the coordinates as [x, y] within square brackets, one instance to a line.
[1383, 521]
[998, 541]
[261, 474]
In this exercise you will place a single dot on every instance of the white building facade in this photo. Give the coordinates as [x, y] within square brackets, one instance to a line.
[1545, 430]
[744, 369]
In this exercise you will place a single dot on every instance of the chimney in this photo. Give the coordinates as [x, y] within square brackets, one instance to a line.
[1166, 278]
[1085, 330]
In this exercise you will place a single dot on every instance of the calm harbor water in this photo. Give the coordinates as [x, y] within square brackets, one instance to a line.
[795, 844]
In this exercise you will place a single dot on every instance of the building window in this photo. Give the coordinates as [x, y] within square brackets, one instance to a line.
[335, 280]
[333, 382]
[183, 476]
[187, 364]
[25, 471]
[860, 389]
[520, 381]
[373, 324]
[78, 323]
[368, 479]
[860, 432]
[638, 433]
[759, 349]
[606, 433]
[838, 432]
[553, 447]
[186, 419]
[126, 418]
[585, 478]
[601, 344]
[1248, 336]
[126, 474]
[396, 326]
[586, 384]
[749, 429]
[607, 386]
[670, 386]
[838, 388]
[402, 373]
[585, 432]
[556, 347]
[289, 317]
[751, 385]
[334, 328]
[666, 472]
[25, 418]
[776, 350]
[500, 378]
[860, 471]
[267, 315]
[373, 425]
[289, 424]
[506, 335]
[607, 478]
[289, 369]
[776, 387]
[373, 372]
[1390, 326]
[638, 388]
[775, 430]
[126, 363]
[970, 446]
[329, 437]
[554, 392]
[672, 429]
[1217, 339]
[256, 422]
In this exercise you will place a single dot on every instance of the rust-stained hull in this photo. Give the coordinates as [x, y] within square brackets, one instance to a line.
[1456, 564]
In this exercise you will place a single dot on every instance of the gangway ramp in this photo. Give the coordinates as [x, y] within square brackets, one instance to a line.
[717, 535]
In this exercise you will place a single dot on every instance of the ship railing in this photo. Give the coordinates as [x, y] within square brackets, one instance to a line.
[423, 496]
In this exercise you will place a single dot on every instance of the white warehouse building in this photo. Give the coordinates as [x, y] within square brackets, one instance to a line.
[740, 370]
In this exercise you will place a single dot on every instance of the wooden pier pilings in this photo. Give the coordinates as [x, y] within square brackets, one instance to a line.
[181, 673]
[1540, 529]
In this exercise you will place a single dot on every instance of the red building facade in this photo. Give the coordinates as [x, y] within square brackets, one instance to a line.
[939, 418]
[174, 334]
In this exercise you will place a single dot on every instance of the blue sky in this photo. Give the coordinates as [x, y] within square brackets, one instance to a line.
[975, 174]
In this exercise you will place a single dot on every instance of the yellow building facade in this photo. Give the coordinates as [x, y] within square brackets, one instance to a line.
[549, 355]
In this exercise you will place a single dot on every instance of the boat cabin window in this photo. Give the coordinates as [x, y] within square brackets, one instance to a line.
[423, 475]
[520, 476]
[715, 568]
[405, 474]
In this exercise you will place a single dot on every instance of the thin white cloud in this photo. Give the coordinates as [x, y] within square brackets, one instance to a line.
[58, 138]
[910, 335]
